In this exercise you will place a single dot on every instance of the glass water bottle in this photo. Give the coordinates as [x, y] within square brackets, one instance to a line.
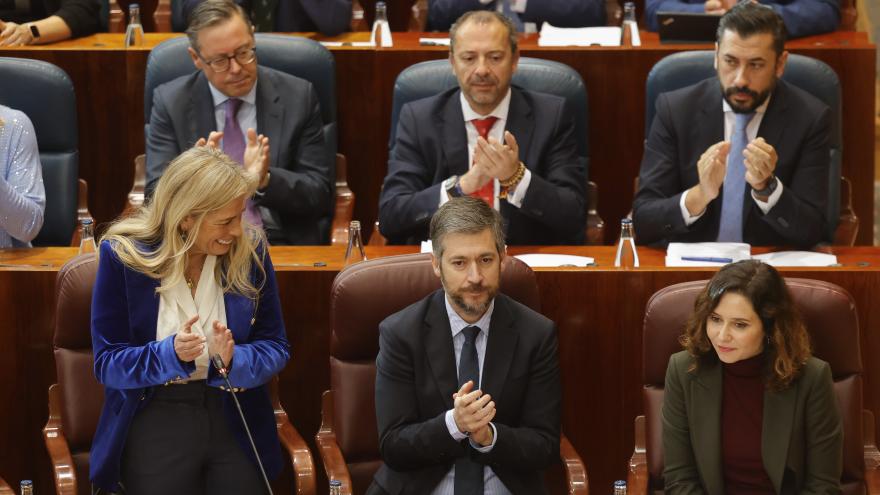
[626, 257]
[134, 32]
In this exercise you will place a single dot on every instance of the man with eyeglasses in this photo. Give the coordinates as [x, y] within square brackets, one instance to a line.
[227, 102]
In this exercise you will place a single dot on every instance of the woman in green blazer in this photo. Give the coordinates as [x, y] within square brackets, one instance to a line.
[747, 410]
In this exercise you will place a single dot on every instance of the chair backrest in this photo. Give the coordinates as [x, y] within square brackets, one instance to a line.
[813, 76]
[81, 395]
[356, 309]
[429, 78]
[45, 94]
[830, 316]
[297, 56]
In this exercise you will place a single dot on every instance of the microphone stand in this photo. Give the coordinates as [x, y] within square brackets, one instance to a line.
[217, 361]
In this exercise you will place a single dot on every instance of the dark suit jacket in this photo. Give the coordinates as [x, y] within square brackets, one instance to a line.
[416, 377]
[130, 362]
[801, 17]
[300, 190]
[560, 13]
[691, 119]
[329, 17]
[802, 433]
[83, 17]
[431, 146]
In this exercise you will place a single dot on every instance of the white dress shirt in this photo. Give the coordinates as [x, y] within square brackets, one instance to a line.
[517, 193]
[751, 134]
[492, 485]
[518, 6]
[177, 306]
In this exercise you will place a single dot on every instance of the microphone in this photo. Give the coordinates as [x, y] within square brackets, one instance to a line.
[217, 361]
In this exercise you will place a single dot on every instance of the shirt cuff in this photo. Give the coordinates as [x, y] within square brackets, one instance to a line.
[518, 193]
[443, 196]
[488, 448]
[685, 214]
[453, 428]
[772, 200]
[518, 6]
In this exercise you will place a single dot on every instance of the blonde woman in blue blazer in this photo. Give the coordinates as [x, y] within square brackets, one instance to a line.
[181, 280]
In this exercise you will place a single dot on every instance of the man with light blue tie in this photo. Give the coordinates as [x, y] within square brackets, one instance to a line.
[467, 379]
[560, 13]
[740, 158]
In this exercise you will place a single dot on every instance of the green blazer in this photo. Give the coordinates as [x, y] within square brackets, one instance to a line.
[802, 434]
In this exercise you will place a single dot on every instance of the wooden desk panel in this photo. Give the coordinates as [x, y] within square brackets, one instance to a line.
[598, 312]
[109, 86]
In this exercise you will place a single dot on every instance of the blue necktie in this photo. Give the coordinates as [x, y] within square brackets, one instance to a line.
[469, 474]
[730, 229]
[508, 12]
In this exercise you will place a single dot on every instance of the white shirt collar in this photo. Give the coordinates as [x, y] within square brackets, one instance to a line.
[761, 109]
[500, 112]
[457, 324]
[220, 98]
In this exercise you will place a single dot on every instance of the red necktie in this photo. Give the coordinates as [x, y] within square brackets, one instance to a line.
[487, 192]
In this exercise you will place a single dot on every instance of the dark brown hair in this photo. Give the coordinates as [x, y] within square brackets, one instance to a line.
[787, 345]
[484, 17]
[749, 18]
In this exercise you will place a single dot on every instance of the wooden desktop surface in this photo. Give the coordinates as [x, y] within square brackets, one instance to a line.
[109, 85]
[598, 310]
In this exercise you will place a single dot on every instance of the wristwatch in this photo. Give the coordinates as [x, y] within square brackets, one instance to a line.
[35, 31]
[772, 183]
[453, 188]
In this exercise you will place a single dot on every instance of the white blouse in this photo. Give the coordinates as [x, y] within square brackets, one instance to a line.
[177, 306]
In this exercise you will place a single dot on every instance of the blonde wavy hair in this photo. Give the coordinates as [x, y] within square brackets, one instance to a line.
[199, 181]
[787, 344]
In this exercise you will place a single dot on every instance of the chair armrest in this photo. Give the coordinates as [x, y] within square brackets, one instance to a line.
[82, 212]
[5, 489]
[300, 455]
[136, 194]
[116, 19]
[637, 477]
[848, 222]
[575, 471]
[595, 235]
[331, 455]
[162, 16]
[344, 205]
[872, 455]
[376, 238]
[56, 444]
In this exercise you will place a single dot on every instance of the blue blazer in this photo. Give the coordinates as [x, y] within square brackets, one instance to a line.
[801, 17]
[129, 361]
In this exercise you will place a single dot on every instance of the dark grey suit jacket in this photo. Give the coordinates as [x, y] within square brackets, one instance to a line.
[416, 377]
[691, 119]
[329, 17]
[431, 146]
[300, 190]
[560, 13]
[801, 434]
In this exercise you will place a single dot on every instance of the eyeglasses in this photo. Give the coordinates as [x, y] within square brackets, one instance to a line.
[244, 56]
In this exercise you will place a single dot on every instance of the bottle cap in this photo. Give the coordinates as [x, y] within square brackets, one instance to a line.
[87, 221]
[619, 483]
[25, 483]
[334, 483]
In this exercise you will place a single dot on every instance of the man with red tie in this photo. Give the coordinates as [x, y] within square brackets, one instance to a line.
[514, 149]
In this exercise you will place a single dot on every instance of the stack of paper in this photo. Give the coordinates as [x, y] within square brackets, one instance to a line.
[602, 35]
[706, 253]
[538, 260]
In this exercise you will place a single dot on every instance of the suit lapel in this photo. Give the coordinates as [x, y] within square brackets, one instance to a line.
[499, 349]
[772, 125]
[200, 113]
[776, 432]
[521, 124]
[709, 130]
[454, 143]
[143, 288]
[439, 348]
[705, 409]
[239, 312]
[269, 114]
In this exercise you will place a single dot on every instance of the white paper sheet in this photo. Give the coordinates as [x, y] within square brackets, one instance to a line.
[797, 258]
[540, 260]
[706, 253]
[601, 35]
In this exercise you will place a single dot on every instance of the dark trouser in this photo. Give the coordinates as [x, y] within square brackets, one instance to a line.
[182, 443]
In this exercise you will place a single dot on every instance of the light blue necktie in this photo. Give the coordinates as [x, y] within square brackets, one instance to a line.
[734, 182]
[508, 12]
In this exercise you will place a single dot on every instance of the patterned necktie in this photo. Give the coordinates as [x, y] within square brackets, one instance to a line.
[507, 10]
[234, 145]
[730, 229]
[468, 474]
[264, 15]
[487, 192]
